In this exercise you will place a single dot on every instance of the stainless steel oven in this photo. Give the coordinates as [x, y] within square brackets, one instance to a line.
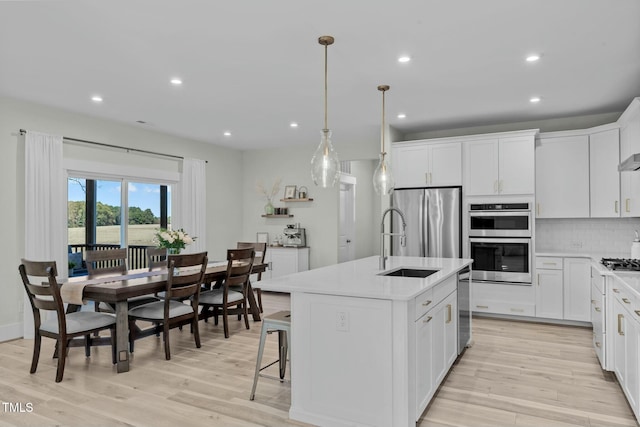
[500, 242]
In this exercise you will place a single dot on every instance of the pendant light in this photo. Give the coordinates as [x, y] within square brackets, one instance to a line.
[383, 181]
[325, 166]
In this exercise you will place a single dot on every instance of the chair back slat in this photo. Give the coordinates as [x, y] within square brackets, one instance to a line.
[156, 258]
[239, 265]
[261, 252]
[42, 296]
[106, 261]
[190, 275]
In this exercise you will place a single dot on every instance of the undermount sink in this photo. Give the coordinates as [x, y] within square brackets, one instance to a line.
[409, 272]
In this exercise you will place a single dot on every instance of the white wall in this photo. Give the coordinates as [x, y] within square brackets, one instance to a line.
[597, 236]
[224, 184]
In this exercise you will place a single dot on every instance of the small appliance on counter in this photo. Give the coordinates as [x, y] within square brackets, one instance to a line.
[294, 236]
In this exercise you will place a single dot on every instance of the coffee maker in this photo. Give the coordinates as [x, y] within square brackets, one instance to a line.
[294, 236]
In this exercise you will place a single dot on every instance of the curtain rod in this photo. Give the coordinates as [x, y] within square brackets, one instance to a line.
[102, 144]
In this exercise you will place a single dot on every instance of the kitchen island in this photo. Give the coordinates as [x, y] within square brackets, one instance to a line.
[369, 349]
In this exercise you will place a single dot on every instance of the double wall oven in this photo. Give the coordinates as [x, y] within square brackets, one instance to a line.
[500, 242]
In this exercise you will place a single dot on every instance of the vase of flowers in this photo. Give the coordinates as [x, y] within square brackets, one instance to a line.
[173, 240]
[268, 195]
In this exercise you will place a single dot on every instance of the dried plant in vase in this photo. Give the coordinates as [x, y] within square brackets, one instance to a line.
[268, 195]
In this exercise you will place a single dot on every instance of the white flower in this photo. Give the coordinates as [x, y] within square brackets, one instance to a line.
[188, 240]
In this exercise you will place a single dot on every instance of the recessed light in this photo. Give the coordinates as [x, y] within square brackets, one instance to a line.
[404, 59]
[293, 125]
[402, 116]
[96, 98]
[533, 58]
[176, 81]
[227, 133]
[534, 99]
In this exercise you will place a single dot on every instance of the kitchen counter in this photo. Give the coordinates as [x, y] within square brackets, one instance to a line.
[366, 349]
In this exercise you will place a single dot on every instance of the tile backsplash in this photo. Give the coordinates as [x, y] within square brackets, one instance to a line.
[590, 235]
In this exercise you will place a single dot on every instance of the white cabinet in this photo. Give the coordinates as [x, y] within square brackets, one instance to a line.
[562, 176]
[598, 321]
[630, 144]
[604, 157]
[563, 288]
[284, 261]
[425, 385]
[549, 293]
[501, 165]
[427, 164]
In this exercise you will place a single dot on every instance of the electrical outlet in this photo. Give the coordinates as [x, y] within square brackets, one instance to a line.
[342, 321]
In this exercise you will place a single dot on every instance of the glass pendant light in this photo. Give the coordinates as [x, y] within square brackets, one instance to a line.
[383, 181]
[325, 166]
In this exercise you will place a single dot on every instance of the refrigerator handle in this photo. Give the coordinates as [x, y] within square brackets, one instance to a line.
[421, 224]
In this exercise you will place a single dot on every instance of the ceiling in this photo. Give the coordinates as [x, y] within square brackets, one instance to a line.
[253, 66]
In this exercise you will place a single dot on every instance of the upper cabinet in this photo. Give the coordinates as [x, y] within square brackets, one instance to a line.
[604, 157]
[500, 165]
[629, 123]
[422, 164]
[562, 176]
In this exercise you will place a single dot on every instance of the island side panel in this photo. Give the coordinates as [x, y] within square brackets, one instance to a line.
[342, 360]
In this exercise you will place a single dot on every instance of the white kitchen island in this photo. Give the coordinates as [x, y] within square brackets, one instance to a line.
[367, 349]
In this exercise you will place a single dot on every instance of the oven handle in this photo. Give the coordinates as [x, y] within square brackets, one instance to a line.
[502, 240]
[501, 213]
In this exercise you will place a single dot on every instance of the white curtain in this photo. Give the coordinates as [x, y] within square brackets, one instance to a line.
[189, 210]
[45, 206]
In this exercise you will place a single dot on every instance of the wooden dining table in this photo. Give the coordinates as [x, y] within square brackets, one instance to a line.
[116, 289]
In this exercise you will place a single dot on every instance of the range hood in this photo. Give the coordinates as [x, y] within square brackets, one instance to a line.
[630, 164]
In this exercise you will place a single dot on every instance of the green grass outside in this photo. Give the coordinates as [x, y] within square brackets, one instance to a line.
[138, 234]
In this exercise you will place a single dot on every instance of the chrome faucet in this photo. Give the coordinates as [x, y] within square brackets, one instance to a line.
[403, 235]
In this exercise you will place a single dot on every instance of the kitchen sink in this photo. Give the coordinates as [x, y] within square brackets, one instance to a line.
[409, 272]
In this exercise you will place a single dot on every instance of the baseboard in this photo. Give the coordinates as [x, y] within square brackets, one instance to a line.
[11, 332]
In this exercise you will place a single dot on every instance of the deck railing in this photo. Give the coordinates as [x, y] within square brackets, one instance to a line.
[137, 254]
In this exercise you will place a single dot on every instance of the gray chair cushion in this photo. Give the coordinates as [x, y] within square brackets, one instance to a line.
[80, 321]
[214, 296]
[155, 310]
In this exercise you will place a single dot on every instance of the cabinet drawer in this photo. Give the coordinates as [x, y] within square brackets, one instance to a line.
[548, 263]
[504, 307]
[424, 302]
[441, 290]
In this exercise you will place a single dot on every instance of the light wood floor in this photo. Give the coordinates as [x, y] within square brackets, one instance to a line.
[516, 374]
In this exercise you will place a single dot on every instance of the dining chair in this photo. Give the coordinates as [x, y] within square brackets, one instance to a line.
[170, 312]
[225, 300]
[65, 326]
[261, 252]
[156, 258]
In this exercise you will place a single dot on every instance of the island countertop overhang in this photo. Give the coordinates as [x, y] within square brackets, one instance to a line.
[361, 278]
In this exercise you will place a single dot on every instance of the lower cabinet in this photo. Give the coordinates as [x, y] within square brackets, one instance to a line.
[436, 348]
[283, 261]
[563, 288]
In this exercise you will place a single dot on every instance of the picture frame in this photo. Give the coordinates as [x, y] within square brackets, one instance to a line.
[290, 192]
[262, 237]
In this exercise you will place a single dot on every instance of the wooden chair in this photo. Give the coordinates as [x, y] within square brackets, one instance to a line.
[65, 326]
[156, 258]
[225, 300]
[170, 313]
[261, 251]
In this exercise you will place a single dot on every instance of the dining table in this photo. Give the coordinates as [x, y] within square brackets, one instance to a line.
[115, 289]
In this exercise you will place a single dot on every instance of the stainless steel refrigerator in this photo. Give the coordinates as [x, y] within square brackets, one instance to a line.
[434, 222]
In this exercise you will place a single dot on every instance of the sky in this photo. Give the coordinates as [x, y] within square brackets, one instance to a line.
[143, 195]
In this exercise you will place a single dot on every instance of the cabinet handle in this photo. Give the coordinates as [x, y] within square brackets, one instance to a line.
[637, 312]
[427, 320]
[448, 313]
[620, 317]
[598, 345]
[593, 301]
[486, 306]
[616, 291]
[626, 205]
[430, 178]
[598, 309]
[616, 203]
[517, 310]
[537, 209]
[626, 301]
[426, 177]
[426, 303]
[549, 263]
[270, 265]
[538, 275]
[500, 186]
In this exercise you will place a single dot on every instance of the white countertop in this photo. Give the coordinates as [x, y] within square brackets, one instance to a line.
[361, 278]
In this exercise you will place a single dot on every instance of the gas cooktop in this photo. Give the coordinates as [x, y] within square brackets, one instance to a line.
[621, 264]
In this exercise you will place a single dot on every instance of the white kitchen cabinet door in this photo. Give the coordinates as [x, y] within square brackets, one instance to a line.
[630, 144]
[425, 384]
[549, 294]
[626, 341]
[445, 164]
[577, 289]
[604, 157]
[562, 177]
[451, 330]
[516, 165]
[410, 165]
[481, 163]
[283, 261]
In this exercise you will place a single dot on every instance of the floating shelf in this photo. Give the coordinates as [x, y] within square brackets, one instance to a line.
[297, 200]
[277, 216]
